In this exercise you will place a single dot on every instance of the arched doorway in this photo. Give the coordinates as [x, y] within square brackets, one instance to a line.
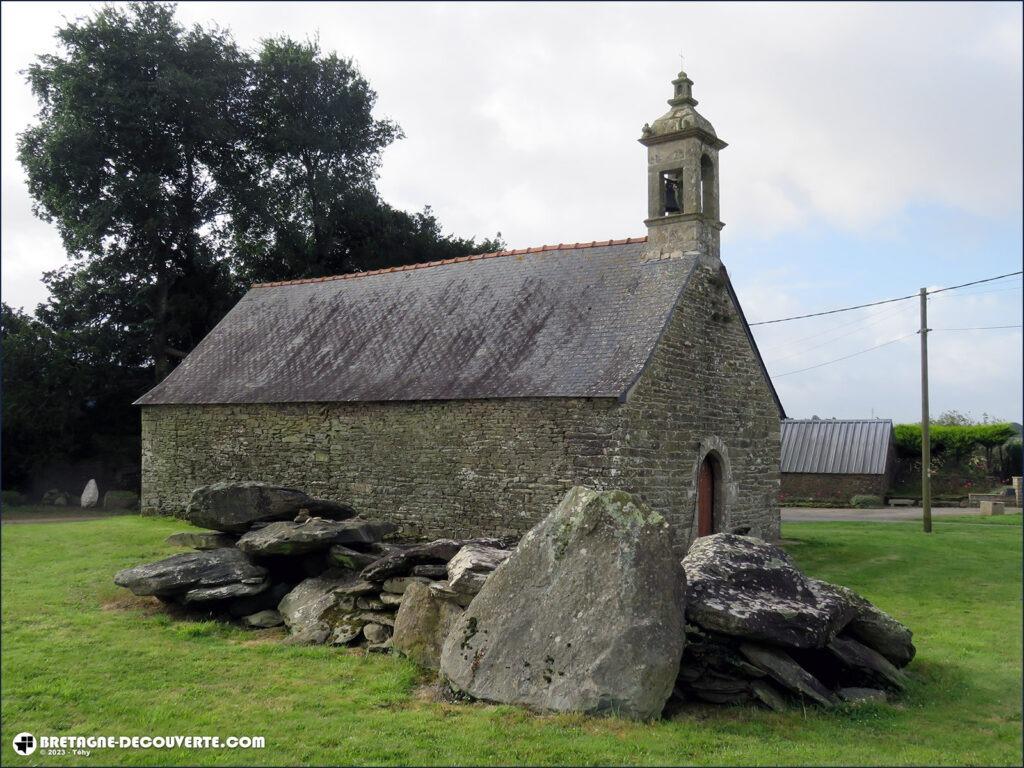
[707, 491]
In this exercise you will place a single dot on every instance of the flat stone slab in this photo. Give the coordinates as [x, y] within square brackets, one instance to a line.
[471, 566]
[586, 615]
[234, 507]
[437, 552]
[197, 576]
[867, 666]
[872, 626]
[201, 540]
[747, 588]
[312, 535]
[783, 670]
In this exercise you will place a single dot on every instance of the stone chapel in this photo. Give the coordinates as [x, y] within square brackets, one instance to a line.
[464, 397]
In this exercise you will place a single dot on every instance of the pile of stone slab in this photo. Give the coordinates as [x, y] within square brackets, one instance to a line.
[275, 555]
[591, 612]
[759, 630]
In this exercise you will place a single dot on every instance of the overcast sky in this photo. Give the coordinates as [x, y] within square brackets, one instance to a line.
[873, 149]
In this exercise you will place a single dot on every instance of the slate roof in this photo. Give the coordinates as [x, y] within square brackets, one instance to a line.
[578, 320]
[833, 446]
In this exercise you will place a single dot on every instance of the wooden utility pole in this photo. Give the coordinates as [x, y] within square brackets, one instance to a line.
[926, 444]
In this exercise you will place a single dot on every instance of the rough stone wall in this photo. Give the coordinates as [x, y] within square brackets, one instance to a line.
[808, 485]
[498, 466]
[436, 468]
[703, 392]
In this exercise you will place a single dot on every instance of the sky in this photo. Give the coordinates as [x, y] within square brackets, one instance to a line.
[874, 149]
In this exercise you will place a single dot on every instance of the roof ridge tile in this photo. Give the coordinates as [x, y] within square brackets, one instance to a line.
[456, 260]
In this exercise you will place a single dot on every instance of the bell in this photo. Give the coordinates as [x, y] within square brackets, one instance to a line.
[671, 197]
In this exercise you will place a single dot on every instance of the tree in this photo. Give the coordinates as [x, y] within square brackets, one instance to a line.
[304, 199]
[177, 168]
[135, 124]
[63, 399]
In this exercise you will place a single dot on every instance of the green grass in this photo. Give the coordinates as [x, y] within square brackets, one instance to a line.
[37, 511]
[81, 657]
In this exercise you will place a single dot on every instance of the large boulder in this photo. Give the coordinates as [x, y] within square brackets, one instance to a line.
[586, 615]
[90, 495]
[422, 624]
[234, 507]
[750, 589]
[218, 574]
[312, 535]
[311, 610]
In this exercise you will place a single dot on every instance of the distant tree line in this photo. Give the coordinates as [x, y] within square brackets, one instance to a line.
[178, 169]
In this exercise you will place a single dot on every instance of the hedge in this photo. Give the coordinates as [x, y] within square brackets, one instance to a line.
[958, 441]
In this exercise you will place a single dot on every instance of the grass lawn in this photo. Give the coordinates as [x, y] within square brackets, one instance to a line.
[82, 657]
[39, 512]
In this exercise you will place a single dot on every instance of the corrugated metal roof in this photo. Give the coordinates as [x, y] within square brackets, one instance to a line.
[833, 446]
[569, 322]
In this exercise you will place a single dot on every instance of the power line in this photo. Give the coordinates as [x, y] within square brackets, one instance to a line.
[833, 311]
[860, 321]
[884, 301]
[845, 357]
[976, 282]
[890, 316]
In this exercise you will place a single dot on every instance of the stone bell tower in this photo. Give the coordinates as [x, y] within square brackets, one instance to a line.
[682, 178]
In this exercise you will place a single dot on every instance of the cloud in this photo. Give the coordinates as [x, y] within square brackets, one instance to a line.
[524, 118]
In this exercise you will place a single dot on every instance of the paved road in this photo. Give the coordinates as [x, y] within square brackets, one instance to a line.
[886, 515]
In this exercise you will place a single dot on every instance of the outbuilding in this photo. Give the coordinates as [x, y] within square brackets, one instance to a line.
[836, 459]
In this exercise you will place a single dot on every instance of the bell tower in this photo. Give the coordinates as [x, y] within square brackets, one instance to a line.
[682, 178]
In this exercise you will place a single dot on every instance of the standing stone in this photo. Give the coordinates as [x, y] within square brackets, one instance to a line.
[422, 624]
[91, 495]
[586, 615]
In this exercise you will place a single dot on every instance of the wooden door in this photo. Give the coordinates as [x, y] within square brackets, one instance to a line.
[706, 498]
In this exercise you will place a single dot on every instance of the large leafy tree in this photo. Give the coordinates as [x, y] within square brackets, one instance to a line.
[178, 168]
[135, 122]
[304, 199]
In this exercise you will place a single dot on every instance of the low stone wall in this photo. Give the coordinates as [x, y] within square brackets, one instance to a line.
[805, 485]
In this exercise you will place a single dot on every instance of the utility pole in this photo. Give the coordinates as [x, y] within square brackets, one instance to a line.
[926, 445]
